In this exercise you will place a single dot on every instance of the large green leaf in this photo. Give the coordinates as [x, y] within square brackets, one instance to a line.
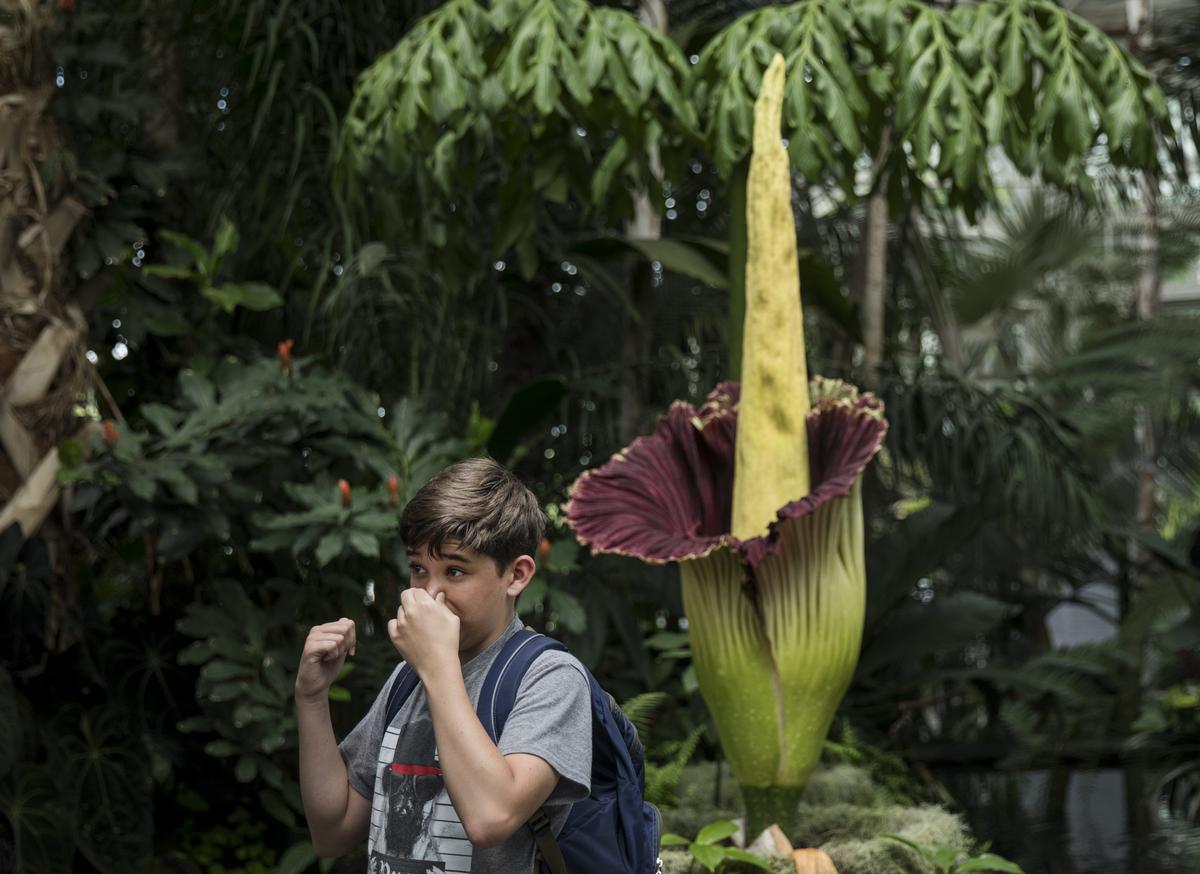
[226, 240]
[677, 256]
[257, 296]
[296, 859]
[715, 832]
[916, 631]
[193, 248]
[526, 410]
[105, 776]
[707, 855]
[819, 285]
[912, 549]
[42, 824]
[990, 862]
[330, 547]
[170, 271]
[568, 609]
[10, 724]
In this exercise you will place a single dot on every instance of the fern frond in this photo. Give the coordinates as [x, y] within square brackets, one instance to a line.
[642, 710]
[661, 780]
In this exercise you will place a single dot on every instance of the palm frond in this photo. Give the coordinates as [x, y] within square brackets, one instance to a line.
[994, 446]
[1018, 249]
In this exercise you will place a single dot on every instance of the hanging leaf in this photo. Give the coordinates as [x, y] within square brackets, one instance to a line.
[824, 94]
[562, 68]
[257, 296]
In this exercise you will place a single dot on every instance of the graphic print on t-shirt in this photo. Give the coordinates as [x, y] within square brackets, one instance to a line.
[414, 827]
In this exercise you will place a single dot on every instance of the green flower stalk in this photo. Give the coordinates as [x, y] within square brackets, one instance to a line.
[757, 495]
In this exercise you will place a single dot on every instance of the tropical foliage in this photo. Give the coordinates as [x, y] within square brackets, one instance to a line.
[266, 266]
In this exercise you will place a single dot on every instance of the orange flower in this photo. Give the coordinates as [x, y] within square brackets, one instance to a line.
[543, 549]
[393, 490]
[111, 435]
[284, 350]
[344, 488]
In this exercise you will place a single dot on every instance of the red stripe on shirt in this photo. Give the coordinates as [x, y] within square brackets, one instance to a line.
[418, 770]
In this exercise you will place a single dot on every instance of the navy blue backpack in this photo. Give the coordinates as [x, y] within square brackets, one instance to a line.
[612, 831]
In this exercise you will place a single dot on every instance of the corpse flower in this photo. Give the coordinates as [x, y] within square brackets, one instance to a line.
[756, 494]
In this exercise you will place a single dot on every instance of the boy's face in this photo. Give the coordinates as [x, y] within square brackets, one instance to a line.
[475, 590]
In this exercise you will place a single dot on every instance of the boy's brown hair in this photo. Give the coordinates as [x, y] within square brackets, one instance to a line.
[478, 504]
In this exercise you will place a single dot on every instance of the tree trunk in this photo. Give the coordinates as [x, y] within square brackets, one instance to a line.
[40, 334]
[1148, 289]
[646, 224]
[875, 241]
[1147, 306]
[1138, 15]
[1147, 303]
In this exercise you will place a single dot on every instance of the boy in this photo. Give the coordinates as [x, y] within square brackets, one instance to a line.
[431, 790]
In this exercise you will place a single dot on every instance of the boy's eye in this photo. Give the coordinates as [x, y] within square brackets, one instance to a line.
[415, 569]
[456, 571]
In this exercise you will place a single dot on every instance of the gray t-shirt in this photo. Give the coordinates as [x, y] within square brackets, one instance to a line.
[414, 827]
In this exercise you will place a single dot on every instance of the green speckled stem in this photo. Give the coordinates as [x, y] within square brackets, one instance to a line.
[770, 805]
[733, 665]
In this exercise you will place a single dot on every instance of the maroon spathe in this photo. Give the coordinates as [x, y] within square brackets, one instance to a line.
[669, 495]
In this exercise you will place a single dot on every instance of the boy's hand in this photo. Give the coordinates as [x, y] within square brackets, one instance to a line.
[425, 631]
[324, 653]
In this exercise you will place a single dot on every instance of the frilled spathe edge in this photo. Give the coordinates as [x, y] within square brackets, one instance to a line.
[845, 431]
[668, 496]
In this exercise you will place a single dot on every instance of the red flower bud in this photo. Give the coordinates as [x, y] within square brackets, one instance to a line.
[393, 490]
[344, 488]
[111, 435]
[284, 350]
[66, 5]
[543, 549]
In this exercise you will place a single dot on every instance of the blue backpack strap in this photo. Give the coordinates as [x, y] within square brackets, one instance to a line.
[402, 687]
[499, 691]
[496, 700]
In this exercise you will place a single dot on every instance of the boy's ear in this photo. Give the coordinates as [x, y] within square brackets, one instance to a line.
[522, 574]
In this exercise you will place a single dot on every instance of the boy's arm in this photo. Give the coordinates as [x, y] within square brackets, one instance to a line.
[338, 816]
[494, 794]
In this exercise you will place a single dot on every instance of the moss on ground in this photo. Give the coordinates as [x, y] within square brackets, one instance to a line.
[850, 834]
[842, 812]
[842, 784]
